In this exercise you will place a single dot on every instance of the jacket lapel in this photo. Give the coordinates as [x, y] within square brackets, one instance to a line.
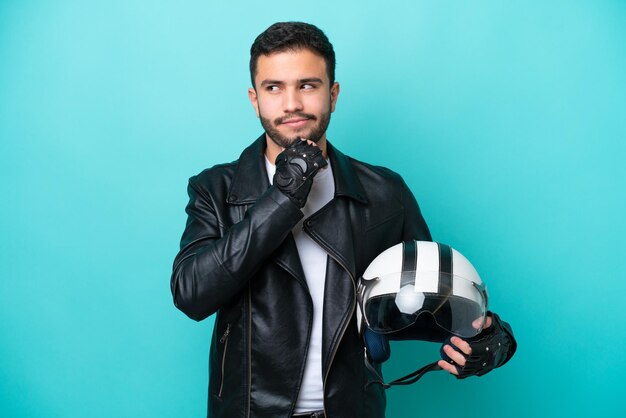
[331, 227]
[286, 256]
[250, 179]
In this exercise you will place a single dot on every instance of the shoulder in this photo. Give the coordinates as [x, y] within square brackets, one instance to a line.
[214, 178]
[220, 176]
[217, 171]
[371, 175]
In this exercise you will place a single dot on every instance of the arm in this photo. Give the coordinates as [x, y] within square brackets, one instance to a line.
[415, 228]
[210, 269]
[414, 224]
[469, 355]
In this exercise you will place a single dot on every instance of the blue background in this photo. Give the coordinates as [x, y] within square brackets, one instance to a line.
[507, 120]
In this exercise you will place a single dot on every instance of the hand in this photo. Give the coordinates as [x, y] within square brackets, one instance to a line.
[295, 168]
[462, 345]
[493, 347]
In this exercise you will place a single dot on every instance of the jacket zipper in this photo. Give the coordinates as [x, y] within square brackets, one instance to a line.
[224, 340]
[249, 349]
[343, 329]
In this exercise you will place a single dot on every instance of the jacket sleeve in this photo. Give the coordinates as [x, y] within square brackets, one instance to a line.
[414, 224]
[212, 266]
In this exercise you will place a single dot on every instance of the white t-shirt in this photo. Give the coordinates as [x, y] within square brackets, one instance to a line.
[313, 259]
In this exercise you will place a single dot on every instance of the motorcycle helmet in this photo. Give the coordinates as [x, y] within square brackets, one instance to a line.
[413, 279]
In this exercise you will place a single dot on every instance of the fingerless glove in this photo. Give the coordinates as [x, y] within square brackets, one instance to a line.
[490, 349]
[295, 168]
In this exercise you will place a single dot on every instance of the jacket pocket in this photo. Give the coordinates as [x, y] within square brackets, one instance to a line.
[224, 342]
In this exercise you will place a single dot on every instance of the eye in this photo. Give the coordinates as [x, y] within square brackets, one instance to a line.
[272, 88]
[307, 86]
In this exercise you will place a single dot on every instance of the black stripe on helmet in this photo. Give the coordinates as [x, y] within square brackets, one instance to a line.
[409, 263]
[445, 269]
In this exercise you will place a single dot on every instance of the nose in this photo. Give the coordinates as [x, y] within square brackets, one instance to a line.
[292, 101]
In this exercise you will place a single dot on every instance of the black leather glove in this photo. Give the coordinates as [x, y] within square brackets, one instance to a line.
[490, 349]
[295, 168]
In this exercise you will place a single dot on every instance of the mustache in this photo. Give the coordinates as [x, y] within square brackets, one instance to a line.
[302, 115]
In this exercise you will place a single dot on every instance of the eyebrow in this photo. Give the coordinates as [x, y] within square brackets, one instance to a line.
[303, 80]
[312, 80]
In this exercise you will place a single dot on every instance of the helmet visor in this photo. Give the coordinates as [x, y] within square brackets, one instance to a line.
[392, 303]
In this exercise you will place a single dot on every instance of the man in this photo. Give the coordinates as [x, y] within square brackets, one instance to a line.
[275, 243]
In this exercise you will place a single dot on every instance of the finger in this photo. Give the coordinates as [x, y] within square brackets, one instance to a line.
[479, 322]
[454, 355]
[448, 367]
[308, 141]
[462, 345]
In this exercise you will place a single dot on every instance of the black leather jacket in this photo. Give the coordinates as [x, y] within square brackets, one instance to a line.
[238, 259]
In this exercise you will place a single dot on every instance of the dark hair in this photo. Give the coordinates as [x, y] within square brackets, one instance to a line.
[285, 36]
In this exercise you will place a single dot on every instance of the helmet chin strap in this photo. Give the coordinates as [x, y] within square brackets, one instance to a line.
[405, 380]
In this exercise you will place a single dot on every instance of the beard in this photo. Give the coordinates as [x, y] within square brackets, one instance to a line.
[314, 134]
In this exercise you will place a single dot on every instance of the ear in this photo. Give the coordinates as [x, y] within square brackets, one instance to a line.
[334, 93]
[254, 100]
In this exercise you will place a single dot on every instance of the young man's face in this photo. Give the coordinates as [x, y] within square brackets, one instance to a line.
[293, 97]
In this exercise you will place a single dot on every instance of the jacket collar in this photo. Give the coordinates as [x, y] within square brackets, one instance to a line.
[250, 180]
